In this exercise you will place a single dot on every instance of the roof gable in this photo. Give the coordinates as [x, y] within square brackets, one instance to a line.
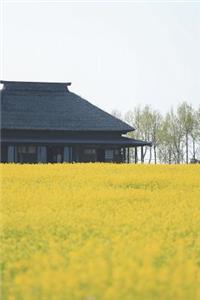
[51, 106]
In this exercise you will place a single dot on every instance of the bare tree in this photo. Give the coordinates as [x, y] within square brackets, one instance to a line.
[116, 113]
[187, 121]
[195, 134]
[175, 136]
[156, 121]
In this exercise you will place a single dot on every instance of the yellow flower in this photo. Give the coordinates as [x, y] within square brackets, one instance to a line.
[100, 232]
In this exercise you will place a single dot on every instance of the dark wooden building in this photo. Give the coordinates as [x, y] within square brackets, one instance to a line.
[45, 122]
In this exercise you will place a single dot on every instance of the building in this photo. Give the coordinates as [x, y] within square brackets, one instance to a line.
[45, 122]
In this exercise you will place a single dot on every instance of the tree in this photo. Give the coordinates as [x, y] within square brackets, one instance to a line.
[174, 136]
[156, 121]
[187, 121]
[196, 133]
[147, 122]
[140, 119]
[116, 113]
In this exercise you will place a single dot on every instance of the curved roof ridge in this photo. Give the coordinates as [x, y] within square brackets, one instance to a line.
[34, 86]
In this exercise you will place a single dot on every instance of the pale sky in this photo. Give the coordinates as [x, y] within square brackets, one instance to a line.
[116, 55]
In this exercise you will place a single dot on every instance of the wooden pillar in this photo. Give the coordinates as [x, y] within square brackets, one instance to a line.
[16, 154]
[136, 156]
[142, 155]
[67, 155]
[70, 154]
[124, 160]
[42, 154]
[121, 155]
[11, 154]
[128, 156]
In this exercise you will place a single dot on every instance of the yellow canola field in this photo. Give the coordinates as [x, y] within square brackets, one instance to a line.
[100, 232]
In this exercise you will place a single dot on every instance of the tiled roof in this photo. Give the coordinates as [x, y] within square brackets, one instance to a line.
[51, 106]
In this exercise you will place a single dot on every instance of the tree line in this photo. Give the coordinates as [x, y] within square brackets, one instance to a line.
[175, 135]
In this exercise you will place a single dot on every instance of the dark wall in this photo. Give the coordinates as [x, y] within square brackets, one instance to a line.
[49, 134]
[4, 154]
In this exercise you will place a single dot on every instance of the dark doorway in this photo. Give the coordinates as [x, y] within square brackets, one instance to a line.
[55, 154]
[101, 155]
[4, 154]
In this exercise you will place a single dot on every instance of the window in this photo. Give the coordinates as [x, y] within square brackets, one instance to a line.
[27, 154]
[21, 149]
[31, 149]
[116, 152]
[27, 149]
[109, 154]
[89, 151]
[88, 155]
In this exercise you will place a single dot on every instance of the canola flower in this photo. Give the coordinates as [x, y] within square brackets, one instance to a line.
[100, 232]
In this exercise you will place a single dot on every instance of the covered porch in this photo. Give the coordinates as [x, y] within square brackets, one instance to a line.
[116, 150]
